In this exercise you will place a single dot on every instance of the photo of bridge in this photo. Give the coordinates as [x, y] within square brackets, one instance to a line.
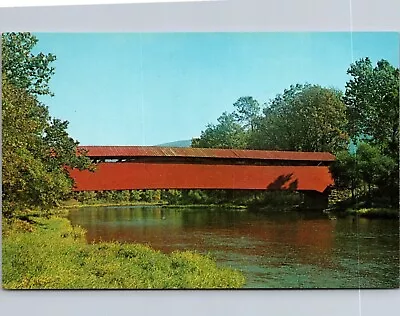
[277, 169]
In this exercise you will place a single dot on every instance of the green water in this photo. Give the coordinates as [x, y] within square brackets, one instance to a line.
[274, 249]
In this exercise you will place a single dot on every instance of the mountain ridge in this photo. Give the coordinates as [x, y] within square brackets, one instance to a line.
[178, 143]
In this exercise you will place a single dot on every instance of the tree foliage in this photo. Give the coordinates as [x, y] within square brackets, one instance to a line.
[247, 111]
[377, 169]
[23, 68]
[303, 118]
[227, 133]
[312, 118]
[26, 179]
[372, 98]
[344, 171]
[36, 147]
[367, 171]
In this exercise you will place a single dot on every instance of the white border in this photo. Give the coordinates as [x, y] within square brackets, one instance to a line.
[41, 3]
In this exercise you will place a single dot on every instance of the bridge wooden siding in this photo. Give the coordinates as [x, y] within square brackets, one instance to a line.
[142, 167]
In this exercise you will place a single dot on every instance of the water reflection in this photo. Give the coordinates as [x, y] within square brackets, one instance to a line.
[274, 249]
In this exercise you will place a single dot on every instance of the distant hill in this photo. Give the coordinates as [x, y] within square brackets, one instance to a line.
[178, 143]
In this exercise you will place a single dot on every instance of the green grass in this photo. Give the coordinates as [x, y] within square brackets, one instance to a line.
[374, 212]
[48, 253]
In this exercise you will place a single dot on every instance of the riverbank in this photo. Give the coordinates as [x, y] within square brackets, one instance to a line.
[371, 212]
[47, 252]
[76, 204]
[341, 202]
[374, 212]
[159, 204]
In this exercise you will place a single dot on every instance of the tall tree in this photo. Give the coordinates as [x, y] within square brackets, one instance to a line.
[226, 134]
[367, 168]
[247, 110]
[303, 118]
[36, 147]
[375, 168]
[345, 172]
[372, 99]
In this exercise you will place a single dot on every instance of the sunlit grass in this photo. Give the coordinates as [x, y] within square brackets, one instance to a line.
[375, 212]
[48, 253]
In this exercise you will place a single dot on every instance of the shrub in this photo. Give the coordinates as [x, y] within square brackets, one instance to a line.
[135, 195]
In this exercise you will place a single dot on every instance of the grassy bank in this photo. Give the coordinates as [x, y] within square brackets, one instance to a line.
[48, 253]
[366, 212]
[374, 212]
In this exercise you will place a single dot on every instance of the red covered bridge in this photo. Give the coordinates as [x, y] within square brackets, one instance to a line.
[150, 167]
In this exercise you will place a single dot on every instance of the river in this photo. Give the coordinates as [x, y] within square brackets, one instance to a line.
[274, 249]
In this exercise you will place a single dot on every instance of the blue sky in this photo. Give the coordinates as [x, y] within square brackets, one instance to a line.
[152, 88]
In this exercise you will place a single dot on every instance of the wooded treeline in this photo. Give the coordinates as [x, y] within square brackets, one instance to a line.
[360, 126]
[227, 198]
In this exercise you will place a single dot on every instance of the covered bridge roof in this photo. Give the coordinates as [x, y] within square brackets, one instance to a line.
[155, 151]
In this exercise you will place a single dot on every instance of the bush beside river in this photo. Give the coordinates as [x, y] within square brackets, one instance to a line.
[48, 253]
[186, 198]
[370, 206]
[374, 212]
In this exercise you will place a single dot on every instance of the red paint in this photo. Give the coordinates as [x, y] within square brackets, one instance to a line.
[131, 175]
